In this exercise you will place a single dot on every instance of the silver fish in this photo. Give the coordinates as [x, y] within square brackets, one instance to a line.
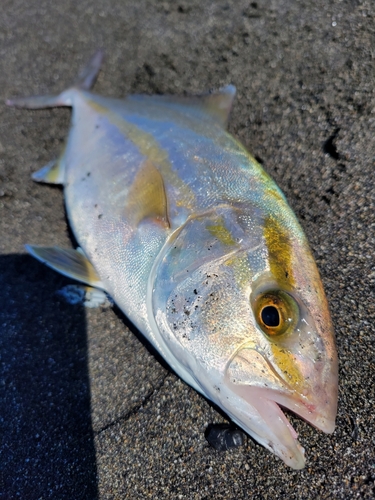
[181, 226]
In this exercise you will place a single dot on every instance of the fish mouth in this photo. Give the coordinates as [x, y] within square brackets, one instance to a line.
[272, 427]
[262, 399]
[271, 404]
[263, 419]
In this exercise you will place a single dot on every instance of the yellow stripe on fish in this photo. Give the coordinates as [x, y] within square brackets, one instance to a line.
[149, 147]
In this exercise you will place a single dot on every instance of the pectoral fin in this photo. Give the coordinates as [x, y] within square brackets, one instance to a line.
[71, 263]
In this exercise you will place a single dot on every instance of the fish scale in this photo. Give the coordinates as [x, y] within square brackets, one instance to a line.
[192, 239]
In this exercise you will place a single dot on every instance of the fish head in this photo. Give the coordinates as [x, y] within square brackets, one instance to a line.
[290, 361]
[251, 327]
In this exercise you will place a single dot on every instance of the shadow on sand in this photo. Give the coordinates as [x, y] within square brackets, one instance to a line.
[47, 446]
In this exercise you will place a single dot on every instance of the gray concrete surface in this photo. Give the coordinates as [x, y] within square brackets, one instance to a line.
[86, 412]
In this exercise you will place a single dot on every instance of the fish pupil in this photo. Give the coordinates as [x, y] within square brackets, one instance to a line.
[270, 316]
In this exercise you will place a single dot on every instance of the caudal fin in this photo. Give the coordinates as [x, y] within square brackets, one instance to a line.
[85, 81]
[88, 75]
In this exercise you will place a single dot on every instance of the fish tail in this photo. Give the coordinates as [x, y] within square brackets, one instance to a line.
[85, 81]
[88, 75]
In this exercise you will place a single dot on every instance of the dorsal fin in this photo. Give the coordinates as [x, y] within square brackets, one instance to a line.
[216, 104]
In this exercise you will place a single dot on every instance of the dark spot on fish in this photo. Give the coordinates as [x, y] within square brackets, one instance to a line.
[187, 312]
[195, 291]
[100, 216]
[96, 205]
[223, 437]
[88, 174]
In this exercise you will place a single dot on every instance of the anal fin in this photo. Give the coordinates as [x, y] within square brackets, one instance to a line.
[71, 263]
[52, 173]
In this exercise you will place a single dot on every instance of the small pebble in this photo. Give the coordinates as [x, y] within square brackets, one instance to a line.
[223, 437]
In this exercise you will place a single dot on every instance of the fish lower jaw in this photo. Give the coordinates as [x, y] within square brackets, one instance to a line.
[277, 434]
[286, 445]
[263, 419]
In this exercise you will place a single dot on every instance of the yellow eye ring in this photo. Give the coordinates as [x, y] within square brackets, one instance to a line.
[276, 312]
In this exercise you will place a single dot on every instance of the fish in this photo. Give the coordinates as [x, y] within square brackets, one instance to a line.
[198, 246]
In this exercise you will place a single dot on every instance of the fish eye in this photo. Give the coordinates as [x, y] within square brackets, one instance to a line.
[276, 312]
